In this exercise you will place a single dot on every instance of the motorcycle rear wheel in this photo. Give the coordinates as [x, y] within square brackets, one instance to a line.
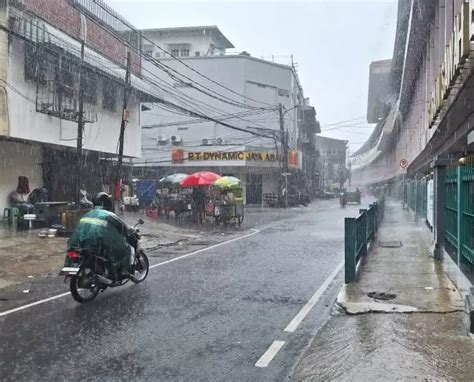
[84, 276]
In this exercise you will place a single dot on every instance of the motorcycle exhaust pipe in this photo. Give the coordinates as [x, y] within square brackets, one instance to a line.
[104, 280]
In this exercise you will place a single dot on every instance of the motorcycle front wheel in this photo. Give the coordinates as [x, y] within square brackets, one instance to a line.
[84, 286]
[141, 268]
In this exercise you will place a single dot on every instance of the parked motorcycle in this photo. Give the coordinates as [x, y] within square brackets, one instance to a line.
[91, 273]
[342, 199]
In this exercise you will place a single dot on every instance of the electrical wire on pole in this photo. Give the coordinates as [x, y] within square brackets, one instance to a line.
[123, 124]
[284, 150]
[80, 128]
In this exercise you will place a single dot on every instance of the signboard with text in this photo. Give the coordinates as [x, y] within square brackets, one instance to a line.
[233, 155]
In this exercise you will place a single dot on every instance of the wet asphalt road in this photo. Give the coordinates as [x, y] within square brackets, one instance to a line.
[209, 316]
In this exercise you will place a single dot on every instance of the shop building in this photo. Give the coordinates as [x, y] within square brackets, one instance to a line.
[332, 163]
[422, 150]
[242, 96]
[40, 62]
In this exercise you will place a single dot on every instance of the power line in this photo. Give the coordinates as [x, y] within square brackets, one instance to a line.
[193, 113]
[209, 92]
[341, 122]
[194, 120]
[203, 116]
[125, 42]
[185, 64]
[191, 100]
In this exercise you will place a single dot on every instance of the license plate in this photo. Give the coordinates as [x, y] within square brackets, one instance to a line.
[68, 271]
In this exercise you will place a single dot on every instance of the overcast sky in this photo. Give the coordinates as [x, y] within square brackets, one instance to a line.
[332, 41]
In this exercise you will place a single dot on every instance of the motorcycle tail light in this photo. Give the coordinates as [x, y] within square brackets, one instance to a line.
[73, 255]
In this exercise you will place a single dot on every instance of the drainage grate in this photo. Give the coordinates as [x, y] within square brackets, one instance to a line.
[381, 295]
[390, 244]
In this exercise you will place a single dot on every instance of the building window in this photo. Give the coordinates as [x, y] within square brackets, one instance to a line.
[197, 53]
[69, 76]
[175, 52]
[90, 87]
[109, 94]
[30, 63]
[333, 151]
[184, 52]
[148, 50]
[39, 65]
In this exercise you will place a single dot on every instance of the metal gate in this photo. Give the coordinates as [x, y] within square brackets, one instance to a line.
[459, 208]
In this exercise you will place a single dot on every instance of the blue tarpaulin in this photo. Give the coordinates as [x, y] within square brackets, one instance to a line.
[146, 191]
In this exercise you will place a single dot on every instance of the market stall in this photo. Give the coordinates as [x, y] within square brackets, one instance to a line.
[227, 204]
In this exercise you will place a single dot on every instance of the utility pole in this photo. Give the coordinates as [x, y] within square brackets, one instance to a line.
[123, 123]
[284, 150]
[349, 164]
[80, 128]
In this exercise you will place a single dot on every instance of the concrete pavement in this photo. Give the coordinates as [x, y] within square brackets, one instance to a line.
[413, 332]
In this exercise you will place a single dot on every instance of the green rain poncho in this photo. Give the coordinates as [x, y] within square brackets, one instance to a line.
[104, 231]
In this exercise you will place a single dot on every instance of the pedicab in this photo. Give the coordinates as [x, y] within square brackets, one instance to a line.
[228, 201]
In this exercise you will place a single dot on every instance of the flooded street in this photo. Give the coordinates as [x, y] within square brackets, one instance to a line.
[209, 316]
[236, 190]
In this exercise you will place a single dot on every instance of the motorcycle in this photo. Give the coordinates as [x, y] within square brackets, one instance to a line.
[342, 200]
[91, 273]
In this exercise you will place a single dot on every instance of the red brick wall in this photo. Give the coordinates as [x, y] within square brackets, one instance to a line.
[67, 18]
[57, 13]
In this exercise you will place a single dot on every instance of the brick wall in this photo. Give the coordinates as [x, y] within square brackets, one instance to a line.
[62, 15]
[58, 13]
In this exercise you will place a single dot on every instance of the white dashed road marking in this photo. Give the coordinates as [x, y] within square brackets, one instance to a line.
[271, 352]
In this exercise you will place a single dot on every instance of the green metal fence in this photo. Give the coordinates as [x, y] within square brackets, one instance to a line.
[416, 196]
[459, 209]
[359, 232]
[421, 197]
[412, 195]
[450, 210]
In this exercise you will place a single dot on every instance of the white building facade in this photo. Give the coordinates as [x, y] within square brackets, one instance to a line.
[428, 98]
[238, 90]
[39, 95]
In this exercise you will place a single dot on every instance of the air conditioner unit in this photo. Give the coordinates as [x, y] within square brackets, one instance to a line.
[162, 140]
[206, 142]
[219, 141]
[176, 140]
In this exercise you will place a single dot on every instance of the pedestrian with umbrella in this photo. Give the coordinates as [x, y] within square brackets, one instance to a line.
[200, 181]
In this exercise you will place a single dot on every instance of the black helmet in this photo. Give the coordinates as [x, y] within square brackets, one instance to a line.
[105, 201]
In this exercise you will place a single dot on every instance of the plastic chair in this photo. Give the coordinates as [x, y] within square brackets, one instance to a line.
[11, 214]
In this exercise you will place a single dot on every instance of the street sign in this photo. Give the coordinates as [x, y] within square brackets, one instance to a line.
[286, 174]
[403, 163]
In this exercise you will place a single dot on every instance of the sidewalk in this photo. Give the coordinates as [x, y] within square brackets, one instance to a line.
[26, 258]
[412, 330]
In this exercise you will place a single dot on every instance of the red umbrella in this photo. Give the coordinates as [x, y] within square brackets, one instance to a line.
[202, 178]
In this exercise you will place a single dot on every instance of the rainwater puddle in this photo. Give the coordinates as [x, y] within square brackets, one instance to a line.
[280, 300]
[390, 244]
[382, 296]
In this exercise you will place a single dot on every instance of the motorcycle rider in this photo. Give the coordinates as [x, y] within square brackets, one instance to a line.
[343, 198]
[101, 230]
